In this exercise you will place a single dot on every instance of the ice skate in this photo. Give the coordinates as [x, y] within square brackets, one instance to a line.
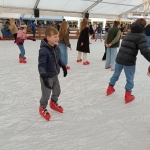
[55, 106]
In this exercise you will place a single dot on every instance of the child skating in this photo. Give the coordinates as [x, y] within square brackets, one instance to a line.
[21, 36]
[49, 68]
[126, 58]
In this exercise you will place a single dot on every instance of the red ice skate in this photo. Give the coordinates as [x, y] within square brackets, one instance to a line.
[20, 57]
[22, 60]
[110, 90]
[67, 67]
[80, 60]
[55, 106]
[86, 63]
[44, 113]
[128, 97]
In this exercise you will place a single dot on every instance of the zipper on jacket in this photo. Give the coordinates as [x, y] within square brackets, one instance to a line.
[56, 60]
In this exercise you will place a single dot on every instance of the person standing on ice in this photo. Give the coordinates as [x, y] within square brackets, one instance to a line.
[21, 36]
[126, 58]
[83, 43]
[64, 43]
[49, 64]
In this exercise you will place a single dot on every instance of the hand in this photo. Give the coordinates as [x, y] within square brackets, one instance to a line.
[34, 39]
[148, 73]
[45, 81]
[109, 45]
[65, 71]
[81, 43]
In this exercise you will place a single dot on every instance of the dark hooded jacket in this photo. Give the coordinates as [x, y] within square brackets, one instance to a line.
[49, 62]
[132, 42]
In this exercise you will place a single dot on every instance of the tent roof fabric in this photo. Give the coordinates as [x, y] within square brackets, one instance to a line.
[107, 7]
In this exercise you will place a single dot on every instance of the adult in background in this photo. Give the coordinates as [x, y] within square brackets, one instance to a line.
[99, 32]
[83, 42]
[13, 29]
[112, 43]
[107, 27]
[91, 31]
[53, 24]
[33, 28]
[147, 33]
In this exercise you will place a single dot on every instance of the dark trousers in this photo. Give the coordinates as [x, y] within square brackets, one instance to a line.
[104, 56]
[15, 36]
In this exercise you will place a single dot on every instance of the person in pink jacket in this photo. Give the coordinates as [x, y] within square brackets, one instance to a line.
[21, 36]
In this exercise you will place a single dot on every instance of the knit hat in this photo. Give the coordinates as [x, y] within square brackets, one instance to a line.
[23, 25]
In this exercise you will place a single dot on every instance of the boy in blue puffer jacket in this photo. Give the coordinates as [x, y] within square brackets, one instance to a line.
[126, 58]
[49, 64]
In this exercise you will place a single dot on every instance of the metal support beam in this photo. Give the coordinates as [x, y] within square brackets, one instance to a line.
[37, 3]
[92, 6]
[131, 9]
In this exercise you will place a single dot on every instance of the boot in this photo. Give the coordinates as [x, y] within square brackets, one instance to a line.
[86, 63]
[24, 57]
[110, 90]
[128, 97]
[67, 67]
[44, 113]
[21, 60]
[54, 106]
[80, 60]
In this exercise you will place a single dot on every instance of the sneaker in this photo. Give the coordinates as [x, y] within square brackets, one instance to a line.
[54, 106]
[44, 113]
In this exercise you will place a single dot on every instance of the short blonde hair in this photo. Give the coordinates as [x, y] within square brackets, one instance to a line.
[51, 31]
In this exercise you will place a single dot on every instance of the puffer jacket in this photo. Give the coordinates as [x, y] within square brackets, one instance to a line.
[132, 42]
[49, 62]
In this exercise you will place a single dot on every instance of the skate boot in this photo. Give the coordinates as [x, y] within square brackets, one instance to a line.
[80, 60]
[21, 60]
[110, 90]
[20, 57]
[67, 67]
[55, 106]
[128, 97]
[44, 113]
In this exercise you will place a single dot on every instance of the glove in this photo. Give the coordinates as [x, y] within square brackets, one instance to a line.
[34, 39]
[65, 71]
[45, 81]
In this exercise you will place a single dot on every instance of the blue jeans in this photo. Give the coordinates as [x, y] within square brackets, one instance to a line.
[148, 40]
[99, 34]
[63, 53]
[111, 57]
[129, 73]
[22, 51]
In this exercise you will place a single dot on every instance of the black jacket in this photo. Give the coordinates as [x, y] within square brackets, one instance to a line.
[132, 42]
[84, 37]
[147, 30]
[49, 62]
[99, 29]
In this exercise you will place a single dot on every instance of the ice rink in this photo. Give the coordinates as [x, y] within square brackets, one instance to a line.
[91, 121]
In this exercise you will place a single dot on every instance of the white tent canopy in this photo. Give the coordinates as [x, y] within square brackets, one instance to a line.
[73, 7]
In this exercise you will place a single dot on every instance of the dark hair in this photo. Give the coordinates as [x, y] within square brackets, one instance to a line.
[141, 21]
[116, 23]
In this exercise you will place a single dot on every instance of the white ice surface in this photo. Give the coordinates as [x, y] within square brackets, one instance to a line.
[91, 120]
